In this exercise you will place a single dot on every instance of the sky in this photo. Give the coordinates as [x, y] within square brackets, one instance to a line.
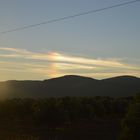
[99, 45]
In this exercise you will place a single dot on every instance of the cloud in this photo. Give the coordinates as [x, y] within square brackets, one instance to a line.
[52, 64]
[63, 58]
[21, 51]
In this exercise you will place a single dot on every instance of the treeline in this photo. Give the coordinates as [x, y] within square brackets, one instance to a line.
[103, 114]
[56, 111]
[131, 122]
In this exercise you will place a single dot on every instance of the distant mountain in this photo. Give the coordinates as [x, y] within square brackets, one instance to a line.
[71, 85]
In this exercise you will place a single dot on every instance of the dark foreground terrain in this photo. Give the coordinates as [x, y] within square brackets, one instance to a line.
[71, 118]
[70, 108]
[97, 129]
[71, 85]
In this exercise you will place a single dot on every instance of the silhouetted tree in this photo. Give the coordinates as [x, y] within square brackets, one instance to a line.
[131, 124]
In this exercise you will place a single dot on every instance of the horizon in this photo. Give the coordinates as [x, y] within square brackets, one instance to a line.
[98, 45]
[130, 76]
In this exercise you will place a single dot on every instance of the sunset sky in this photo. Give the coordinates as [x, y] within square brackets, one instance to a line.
[98, 45]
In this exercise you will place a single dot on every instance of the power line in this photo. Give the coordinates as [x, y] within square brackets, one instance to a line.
[69, 17]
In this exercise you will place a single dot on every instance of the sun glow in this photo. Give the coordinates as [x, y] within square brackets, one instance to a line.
[53, 71]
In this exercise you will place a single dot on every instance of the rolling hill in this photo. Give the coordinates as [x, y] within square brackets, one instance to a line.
[71, 85]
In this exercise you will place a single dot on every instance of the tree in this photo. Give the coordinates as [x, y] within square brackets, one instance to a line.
[131, 123]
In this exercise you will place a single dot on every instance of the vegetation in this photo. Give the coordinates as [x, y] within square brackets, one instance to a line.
[131, 123]
[98, 117]
[62, 110]
[77, 117]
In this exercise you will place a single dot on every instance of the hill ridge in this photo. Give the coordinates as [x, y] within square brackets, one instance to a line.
[71, 85]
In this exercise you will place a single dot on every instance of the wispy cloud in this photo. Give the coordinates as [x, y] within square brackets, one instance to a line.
[20, 51]
[54, 64]
[59, 57]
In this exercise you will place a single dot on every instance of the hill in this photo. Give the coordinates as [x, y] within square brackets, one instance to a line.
[71, 85]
